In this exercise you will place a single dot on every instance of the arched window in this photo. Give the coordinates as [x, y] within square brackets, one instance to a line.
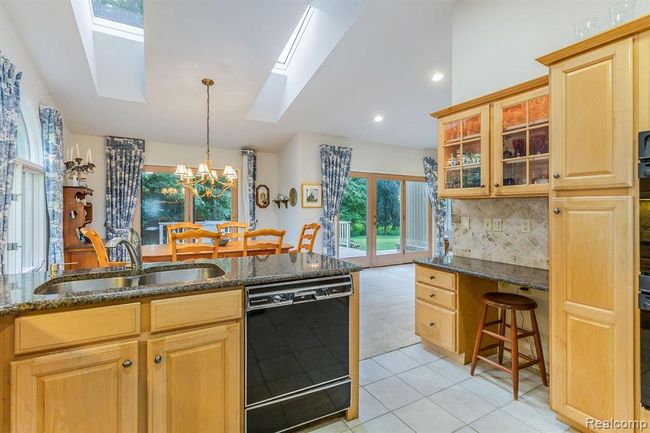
[27, 236]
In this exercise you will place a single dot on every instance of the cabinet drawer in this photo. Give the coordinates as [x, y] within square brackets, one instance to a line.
[436, 325]
[434, 295]
[195, 310]
[441, 279]
[68, 328]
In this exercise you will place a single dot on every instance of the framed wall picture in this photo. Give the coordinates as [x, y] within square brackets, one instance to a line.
[262, 196]
[312, 195]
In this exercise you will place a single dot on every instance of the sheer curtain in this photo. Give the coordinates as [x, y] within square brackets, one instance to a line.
[335, 168]
[52, 133]
[124, 162]
[9, 113]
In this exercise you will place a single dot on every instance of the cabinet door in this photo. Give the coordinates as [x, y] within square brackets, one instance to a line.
[435, 325]
[591, 312]
[195, 381]
[520, 144]
[464, 154]
[591, 119]
[92, 389]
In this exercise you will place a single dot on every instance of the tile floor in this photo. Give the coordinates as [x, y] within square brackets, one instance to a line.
[387, 313]
[417, 390]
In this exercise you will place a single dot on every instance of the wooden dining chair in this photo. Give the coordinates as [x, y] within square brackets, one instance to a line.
[180, 228]
[307, 238]
[100, 249]
[264, 245]
[232, 230]
[190, 242]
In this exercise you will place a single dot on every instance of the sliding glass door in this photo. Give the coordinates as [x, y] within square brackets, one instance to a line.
[384, 219]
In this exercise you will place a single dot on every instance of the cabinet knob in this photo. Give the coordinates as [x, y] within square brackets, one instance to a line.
[482, 186]
[556, 210]
[128, 363]
[556, 175]
[432, 295]
[432, 324]
[496, 185]
[432, 277]
[157, 359]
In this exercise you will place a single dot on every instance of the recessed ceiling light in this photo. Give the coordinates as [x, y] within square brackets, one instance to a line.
[438, 76]
[378, 118]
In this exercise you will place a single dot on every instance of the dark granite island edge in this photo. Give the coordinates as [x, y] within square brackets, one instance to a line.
[524, 276]
[17, 291]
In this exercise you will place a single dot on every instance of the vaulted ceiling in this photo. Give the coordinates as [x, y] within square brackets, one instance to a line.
[382, 65]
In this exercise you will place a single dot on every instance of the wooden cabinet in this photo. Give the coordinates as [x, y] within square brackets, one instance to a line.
[464, 153]
[592, 118]
[447, 310]
[93, 389]
[520, 144]
[194, 381]
[592, 305]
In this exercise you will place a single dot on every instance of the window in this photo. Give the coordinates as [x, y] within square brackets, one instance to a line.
[164, 201]
[123, 15]
[27, 231]
[291, 46]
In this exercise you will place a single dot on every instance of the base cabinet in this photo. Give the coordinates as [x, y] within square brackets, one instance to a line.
[92, 389]
[180, 400]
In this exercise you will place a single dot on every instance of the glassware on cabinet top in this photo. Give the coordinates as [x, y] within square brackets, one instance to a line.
[587, 28]
[621, 12]
[514, 116]
[452, 131]
[472, 125]
[538, 110]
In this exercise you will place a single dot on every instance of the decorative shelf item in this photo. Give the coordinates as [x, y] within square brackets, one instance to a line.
[281, 199]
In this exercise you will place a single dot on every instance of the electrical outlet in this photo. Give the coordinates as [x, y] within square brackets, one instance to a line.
[487, 224]
[525, 226]
[464, 222]
[496, 224]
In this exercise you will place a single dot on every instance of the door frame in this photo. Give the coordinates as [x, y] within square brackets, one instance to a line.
[372, 259]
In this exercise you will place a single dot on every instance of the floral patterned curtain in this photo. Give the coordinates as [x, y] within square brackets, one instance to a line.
[334, 167]
[52, 133]
[439, 208]
[9, 113]
[249, 179]
[124, 162]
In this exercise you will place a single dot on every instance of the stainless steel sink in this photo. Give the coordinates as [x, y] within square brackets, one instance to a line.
[148, 277]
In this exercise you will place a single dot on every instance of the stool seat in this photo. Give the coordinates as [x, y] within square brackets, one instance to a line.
[509, 301]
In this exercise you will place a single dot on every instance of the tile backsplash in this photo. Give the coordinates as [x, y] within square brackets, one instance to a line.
[521, 240]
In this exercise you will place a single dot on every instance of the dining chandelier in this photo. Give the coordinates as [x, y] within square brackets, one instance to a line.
[207, 182]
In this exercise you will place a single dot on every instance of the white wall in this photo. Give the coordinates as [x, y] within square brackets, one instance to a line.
[495, 42]
[299, 162]
[168, 154]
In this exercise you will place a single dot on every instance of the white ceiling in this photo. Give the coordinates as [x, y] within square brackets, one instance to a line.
[382, 65]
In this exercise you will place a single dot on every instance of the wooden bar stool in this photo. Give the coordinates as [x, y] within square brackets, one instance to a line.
[513, 303]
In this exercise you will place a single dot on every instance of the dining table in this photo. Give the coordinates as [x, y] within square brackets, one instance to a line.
[163, 253]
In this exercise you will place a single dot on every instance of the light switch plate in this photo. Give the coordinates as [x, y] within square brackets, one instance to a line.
[496, 224]
[487, 224]
[464, 222]
[525, 226]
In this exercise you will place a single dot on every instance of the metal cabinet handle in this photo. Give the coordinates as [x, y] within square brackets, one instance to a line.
[432, 277]
[496, 185]
[482, 186]
[556, 210]
[432, 295]
[556, 175]
[157, 359]
[432, 324]
[128, 363]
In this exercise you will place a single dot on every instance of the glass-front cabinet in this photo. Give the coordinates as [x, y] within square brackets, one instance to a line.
[463, 153]
[520, 144]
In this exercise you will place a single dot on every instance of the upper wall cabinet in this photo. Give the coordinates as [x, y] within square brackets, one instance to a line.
[508, 129]
[520, 144]
[464, 154]
[592, 117]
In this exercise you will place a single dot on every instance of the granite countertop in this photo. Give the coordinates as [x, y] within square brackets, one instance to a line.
[17, 291]
[533, 278]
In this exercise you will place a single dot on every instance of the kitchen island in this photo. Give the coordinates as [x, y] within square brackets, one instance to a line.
[166, 356]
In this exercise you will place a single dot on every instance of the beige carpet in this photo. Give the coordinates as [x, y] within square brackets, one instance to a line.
[387, 309]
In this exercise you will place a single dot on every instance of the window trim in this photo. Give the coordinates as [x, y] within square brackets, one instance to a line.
[294, 41]
[111, 26]
[189, 204]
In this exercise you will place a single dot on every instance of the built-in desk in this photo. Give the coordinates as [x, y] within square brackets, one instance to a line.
[448, 293]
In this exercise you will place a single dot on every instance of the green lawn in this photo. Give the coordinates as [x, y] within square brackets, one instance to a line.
[384, 242]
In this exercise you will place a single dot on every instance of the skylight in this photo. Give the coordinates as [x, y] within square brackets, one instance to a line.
[122, 15]
[291, 46]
